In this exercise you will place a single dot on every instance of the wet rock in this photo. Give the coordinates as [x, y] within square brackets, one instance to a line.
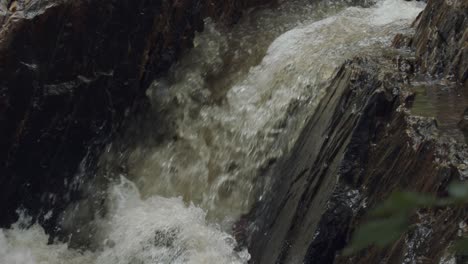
[402, 41]
[363, 143]
[441, 39]
[70, 72]
[360, 145]
[165, 238]
[301, 221]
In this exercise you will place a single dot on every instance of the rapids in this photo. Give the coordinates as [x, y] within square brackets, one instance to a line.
[182, 173]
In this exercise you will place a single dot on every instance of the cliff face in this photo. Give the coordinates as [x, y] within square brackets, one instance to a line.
[70, 71]
[361, 144]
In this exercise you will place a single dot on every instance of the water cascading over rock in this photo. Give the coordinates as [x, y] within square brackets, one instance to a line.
[265, 142]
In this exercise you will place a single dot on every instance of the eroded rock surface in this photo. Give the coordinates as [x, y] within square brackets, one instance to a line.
[363, 143]
[441, 39]
[359, 146]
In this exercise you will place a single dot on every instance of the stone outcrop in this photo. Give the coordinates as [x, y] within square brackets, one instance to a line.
[70, 72]
[289, 221]
[441, 39]
[361, 144]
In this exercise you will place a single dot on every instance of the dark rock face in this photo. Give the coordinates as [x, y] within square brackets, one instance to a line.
[361, 144]
[441, 39]
[347, 161]
[289, 221]
[70, 71]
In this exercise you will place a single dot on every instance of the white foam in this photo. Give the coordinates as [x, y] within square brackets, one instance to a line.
[163, 230]
[20, 245]
[391, 11]
[156, 230]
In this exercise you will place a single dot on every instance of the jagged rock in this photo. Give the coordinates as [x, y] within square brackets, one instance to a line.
[289, 221]
[441, 39]
[346, 161]
[70, 71]
[360, 145]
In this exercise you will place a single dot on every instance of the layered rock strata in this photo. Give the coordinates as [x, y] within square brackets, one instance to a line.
[361, 144]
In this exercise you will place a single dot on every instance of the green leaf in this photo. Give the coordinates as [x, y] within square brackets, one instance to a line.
[444, 202]
[380, 232]
[404, 202]
[459, 190]
[391, 218]
[461, 246]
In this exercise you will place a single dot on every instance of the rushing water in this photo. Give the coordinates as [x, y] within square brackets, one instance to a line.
[189, 167]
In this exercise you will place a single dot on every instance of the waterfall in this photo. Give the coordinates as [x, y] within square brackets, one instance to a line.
[184, 172]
